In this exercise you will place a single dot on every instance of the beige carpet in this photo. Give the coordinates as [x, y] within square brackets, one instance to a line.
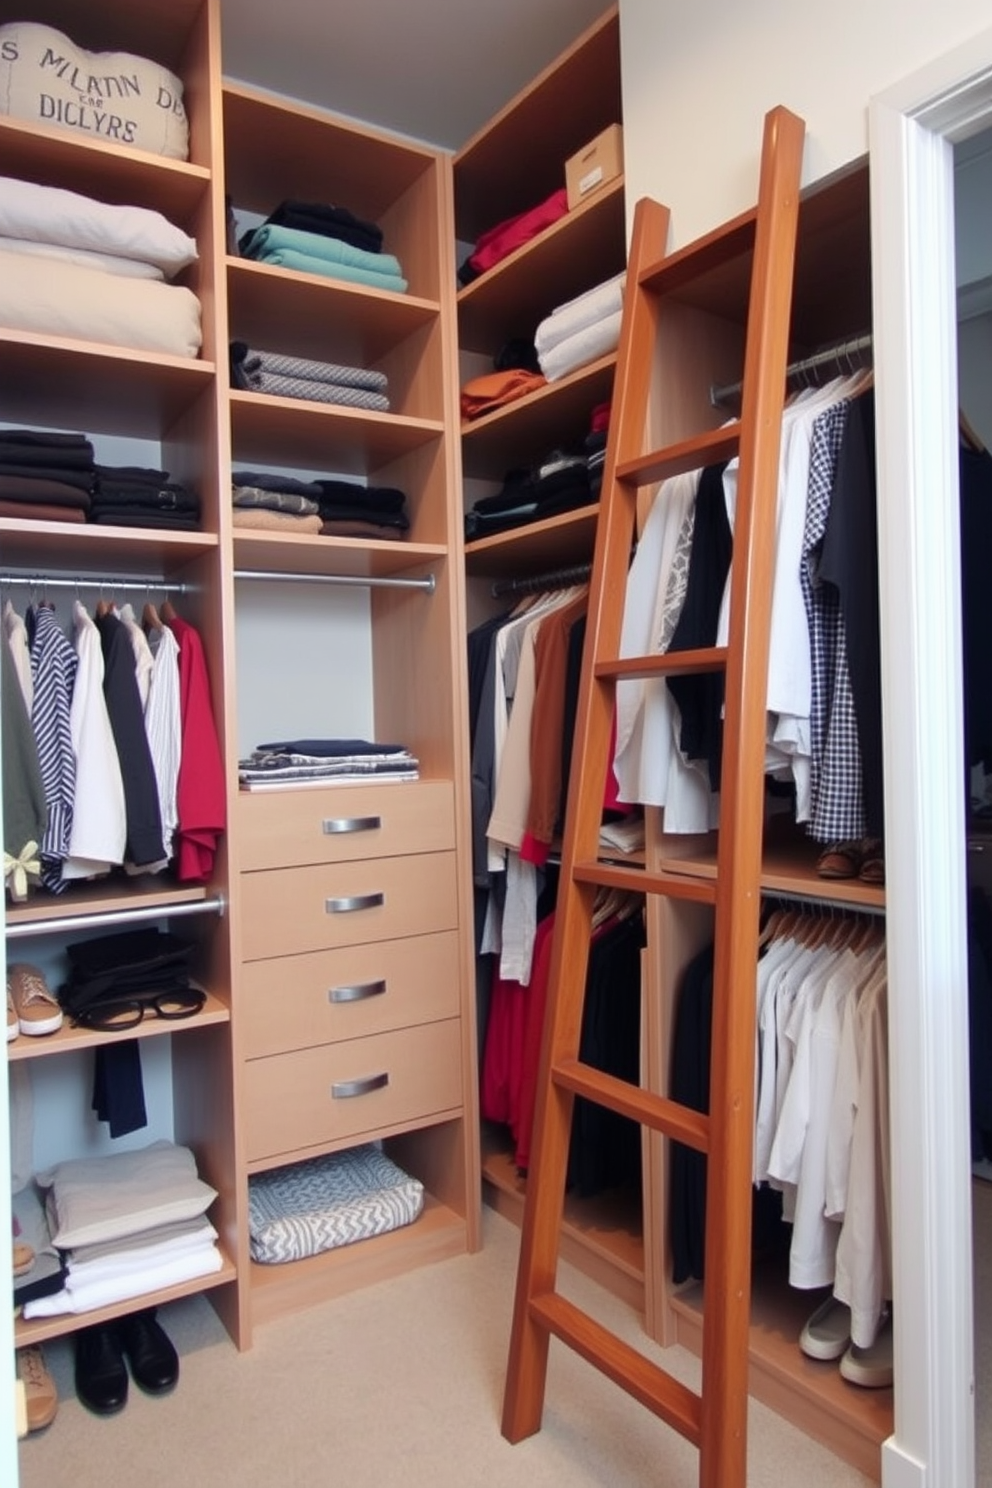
[397, 1386]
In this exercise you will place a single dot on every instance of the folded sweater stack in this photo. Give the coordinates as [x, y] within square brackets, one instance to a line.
[302, 377]
[130, 496]
[314, 238]
[129, 1223]
[46, 476]
[332, 508]
[73, 266]
[581, 330]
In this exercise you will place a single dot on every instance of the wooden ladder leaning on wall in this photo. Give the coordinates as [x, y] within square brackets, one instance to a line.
[716, 1418]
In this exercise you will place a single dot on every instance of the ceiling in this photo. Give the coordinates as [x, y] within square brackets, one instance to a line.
[433, 69]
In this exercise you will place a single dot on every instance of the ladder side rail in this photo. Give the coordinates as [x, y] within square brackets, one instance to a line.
[727, 1284]
[523, 1399]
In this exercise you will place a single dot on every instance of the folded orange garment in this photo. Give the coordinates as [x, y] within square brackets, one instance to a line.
[482, 394]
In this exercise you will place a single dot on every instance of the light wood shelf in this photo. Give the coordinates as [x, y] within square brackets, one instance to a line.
[556, 542]
[551, 417]
[585, 247]
[288, 431]
[70, 1040]
[40, 1330]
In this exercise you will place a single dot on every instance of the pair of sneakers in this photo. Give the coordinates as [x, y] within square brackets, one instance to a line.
[827, 1335]
[31, 1007]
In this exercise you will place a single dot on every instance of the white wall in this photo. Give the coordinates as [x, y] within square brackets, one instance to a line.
[699, 78]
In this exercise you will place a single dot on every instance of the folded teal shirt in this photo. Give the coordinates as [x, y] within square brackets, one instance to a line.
[315, 245]
[285, 258]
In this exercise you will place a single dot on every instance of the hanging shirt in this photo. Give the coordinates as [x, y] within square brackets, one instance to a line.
[201, 794]
[99, 821]
[120, 688]
[53, 670]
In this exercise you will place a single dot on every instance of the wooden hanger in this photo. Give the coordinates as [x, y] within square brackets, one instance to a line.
[150, 619]
[167, 611]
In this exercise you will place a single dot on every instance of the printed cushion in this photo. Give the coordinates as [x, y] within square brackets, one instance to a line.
[323, 1202]
[45, 78]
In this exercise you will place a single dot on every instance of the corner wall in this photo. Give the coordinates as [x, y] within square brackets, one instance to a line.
[699, 79]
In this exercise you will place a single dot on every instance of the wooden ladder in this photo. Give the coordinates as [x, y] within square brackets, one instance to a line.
[716, 1418]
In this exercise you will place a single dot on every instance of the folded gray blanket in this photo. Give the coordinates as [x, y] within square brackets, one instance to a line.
[320, 392]
[258, 364]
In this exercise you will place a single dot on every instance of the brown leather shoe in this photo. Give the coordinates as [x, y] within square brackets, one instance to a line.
[40, 1394]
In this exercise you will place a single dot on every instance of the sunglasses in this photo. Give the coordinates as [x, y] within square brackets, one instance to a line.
[109, 1017]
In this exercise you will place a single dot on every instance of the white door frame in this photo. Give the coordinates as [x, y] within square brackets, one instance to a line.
[912, 129]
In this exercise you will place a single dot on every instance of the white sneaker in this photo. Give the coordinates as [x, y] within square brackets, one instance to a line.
[871, 1367]
[827, 1332]
[37, 1010]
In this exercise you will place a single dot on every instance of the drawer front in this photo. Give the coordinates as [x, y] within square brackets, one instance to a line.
[286, 829]
[353, 1089]
[292, 1002]
[291, 910]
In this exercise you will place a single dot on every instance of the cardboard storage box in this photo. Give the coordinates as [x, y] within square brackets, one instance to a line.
[596, 163]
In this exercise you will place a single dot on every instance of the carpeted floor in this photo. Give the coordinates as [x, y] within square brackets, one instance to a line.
[400, 1386]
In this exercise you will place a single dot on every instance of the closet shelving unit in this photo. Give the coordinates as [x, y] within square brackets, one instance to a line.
[291, 1049]
[237, 1070]
[59, 383]
[511, 164]
[699, 347]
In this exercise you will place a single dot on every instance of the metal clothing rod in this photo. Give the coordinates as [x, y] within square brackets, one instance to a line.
[47, 581]
[429, 584]
[101, 918]
[844, 351]
[815, 901]
[559, 578]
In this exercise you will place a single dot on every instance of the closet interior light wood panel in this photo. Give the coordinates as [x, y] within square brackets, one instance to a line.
[346, 895]
[513, 163]
[262, 150]
[699, 348]
[510, 165]
[178, 407]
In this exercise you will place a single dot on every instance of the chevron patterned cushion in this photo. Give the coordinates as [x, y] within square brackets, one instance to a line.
[300, 1210]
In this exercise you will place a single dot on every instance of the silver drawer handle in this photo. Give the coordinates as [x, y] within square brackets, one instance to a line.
[345, 1089]
[350, 902]
[358, 992]
[332, 825]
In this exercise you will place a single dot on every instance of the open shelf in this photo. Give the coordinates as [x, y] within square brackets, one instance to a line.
[118, 174]
[557, 542]
[322, 436]
[581, 249]
[68, 1040]
[551, 417]
[436, 1234]
[38, 1330]
[347, 556]
[69, 384]
[312, 316]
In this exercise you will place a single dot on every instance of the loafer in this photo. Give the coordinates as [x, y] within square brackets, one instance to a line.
[101, 1374]
[149, 1351]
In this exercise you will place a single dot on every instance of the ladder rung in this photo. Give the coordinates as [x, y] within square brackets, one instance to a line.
[665, 664]
[670, 1118]
[646, 881]
[713, 251]
[647, 1382]
[710, 448]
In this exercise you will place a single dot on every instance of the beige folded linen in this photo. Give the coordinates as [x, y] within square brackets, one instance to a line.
[273, 521]
[63, 299]
[111, 263]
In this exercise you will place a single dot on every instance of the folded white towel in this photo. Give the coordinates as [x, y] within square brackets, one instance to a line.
[584, 346]
[574, 315]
